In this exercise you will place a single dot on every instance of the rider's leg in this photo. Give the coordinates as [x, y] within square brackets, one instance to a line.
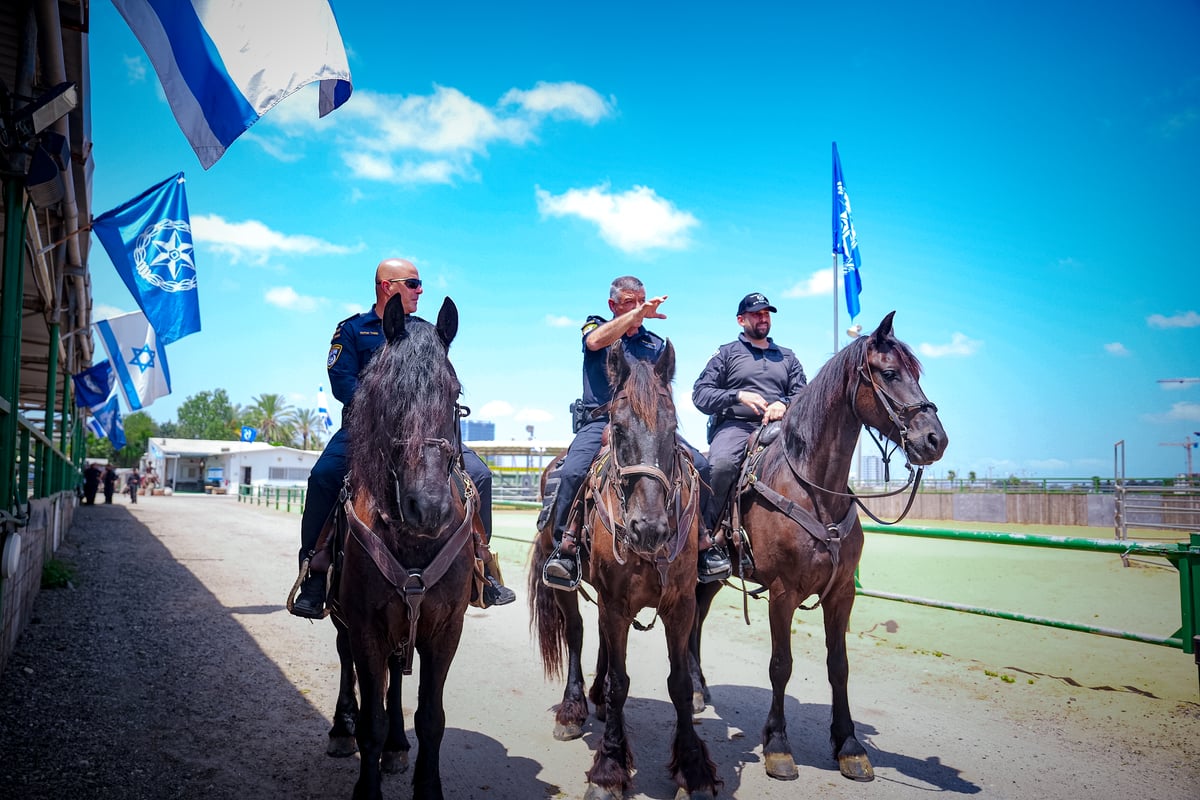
[712, 563]
[494, 591]
[324, 488]
[725, 454]
[562, 568]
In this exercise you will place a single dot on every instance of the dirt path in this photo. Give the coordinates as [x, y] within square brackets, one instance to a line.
[171, 670]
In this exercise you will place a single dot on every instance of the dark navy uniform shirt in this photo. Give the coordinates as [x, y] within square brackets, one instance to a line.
[773, 372]
[642, 345]
[354, 342]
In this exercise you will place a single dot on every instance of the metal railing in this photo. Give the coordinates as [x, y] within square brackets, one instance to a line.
[280, 498]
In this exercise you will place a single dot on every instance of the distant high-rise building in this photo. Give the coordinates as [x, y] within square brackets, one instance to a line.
[872, 469]
[477, 430]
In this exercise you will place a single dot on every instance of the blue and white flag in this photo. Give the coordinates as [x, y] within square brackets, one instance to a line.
[138, 358]
[149, 240]
[845, 242]
[96, 429]
[107, 418]
[323, 410]
[223, 64]
[94, 385]
[249, 434]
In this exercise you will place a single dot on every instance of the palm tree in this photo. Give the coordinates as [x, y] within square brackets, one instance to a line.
[272, 416]
[307, 426]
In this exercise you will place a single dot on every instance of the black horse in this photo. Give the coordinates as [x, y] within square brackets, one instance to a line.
[408, 557]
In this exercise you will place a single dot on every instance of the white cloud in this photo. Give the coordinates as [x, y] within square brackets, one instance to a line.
[818, 283]
[533, 415]
[433, 138]
[1180, 412]
[1116, 349]
[632, 221]
[561, 100]
[288, 298]
[135, 69]
[1047, 466]
[495, 409]
[1186, 319]
[104, 311]
[960, 345]
[559, 321]
[254, 241]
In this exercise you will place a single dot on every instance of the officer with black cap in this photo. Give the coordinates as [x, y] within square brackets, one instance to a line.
[746, 384]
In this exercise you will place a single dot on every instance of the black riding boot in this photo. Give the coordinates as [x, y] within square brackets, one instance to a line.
[561, 570]
[310, 601]
[495, 593]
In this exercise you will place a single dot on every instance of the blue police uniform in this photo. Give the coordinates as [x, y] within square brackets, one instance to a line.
[354, 343]
[773, 372]
[642, 345]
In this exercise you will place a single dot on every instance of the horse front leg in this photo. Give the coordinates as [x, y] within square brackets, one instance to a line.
[371, 728]
[777, 751]
[345, 713]
[852, 758]
[691, 766]
[572, 712]
[705, 593]
[612, 769]
[599, 691]
[436, 651]
[395, 749]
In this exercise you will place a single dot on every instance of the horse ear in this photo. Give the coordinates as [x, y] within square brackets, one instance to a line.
[884, 330]
[447, 324]
[393, 319]
[664, 368]
[618, 367]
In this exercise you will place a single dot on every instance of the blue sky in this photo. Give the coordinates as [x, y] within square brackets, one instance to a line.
[1023, 177]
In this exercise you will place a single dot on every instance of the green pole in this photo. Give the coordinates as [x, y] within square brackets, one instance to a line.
[46, 470]
[12, 289]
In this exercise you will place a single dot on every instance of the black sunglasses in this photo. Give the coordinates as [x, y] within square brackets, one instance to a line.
[411, 283]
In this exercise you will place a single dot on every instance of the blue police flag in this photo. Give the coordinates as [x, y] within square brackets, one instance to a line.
[249, 434]
[108, 418]
[223, 64]
[93, 385]
[845, 242]
[149, 240]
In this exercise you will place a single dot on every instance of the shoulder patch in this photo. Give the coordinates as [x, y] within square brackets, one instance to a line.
[334, 352]
[591, 324]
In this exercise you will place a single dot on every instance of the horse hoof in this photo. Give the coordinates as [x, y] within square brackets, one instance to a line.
[341, 746]
[698, 703]
[566, 733]
[699, 794]
[781, 767]
[393, 763]
[595, 792]
[856, 767]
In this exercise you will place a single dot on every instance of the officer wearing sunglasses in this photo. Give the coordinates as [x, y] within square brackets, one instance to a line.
[354, 342]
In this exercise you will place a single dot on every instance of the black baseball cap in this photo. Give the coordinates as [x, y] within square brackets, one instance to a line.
[756, 301]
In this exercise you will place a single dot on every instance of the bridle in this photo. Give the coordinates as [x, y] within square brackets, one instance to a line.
[452, 451]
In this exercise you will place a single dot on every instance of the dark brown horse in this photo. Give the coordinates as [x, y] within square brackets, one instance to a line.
[803, 526]
[639, 551]
[404, 581]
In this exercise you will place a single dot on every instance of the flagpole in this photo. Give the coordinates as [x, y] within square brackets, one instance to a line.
[835, 303]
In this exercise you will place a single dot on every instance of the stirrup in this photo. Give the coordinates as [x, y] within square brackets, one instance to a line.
[560, 583]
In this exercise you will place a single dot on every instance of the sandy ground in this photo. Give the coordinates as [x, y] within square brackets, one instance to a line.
[171, 670]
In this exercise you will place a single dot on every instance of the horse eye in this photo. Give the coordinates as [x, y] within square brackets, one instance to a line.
[890, 375]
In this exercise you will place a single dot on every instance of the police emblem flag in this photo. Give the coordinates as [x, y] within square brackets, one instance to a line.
[845, 242]
[138, 358]
[249, 434]
[223, 64]
[149, 240]
[94, 385]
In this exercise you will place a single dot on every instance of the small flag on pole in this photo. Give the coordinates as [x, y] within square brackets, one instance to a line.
[249, 434]
[149, 240]
[137, 357]
[94, 385]
[323, 409]
[107, 418]
[223, 64]
[845, 242]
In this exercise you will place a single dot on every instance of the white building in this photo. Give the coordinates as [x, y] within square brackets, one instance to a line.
[188, 465]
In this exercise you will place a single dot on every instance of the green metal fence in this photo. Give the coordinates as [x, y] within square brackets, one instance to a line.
[280, 498]
[1184, 556]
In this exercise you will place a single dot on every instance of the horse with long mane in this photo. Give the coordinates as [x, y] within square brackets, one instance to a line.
[795, 505]
[408, 557]
[639, 542]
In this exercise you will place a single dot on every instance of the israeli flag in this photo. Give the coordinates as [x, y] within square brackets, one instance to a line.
[323, 409]
[94, 385]
[149, 240]
[108, 418]
[225, 63]
[845, 242]
[138, 358]
[96, 429]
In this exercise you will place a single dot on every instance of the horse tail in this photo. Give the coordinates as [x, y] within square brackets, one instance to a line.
[545, 617]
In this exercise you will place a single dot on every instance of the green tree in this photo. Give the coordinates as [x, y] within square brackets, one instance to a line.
[207, 415]
[951, 475]
[971, 476]
[272, 416]
[139, 427]
[308, 429]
